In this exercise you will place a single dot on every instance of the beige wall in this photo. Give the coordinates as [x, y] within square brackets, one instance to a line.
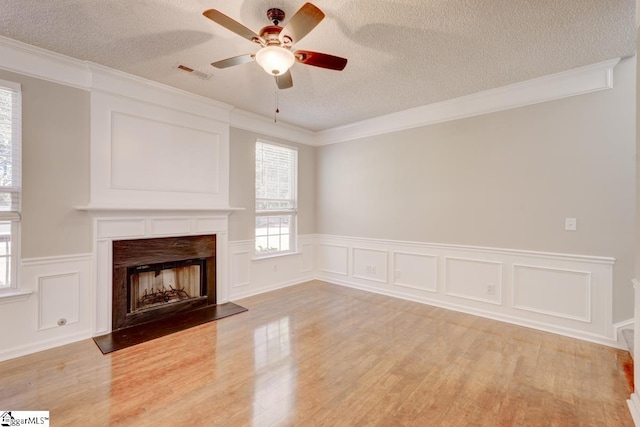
[506, 180]
[637, 270]
[242, 183]
[55, 168]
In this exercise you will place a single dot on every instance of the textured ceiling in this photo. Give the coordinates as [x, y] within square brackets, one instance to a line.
[402, 53]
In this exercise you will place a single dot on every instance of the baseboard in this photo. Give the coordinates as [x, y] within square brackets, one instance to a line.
[596, 339]
[625, 324]
[43, 345]
[249, 293]
[634, 408]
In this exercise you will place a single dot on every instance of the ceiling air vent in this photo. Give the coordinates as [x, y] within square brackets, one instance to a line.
[196, 73]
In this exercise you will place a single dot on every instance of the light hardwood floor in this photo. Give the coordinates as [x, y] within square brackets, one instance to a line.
[325, 355]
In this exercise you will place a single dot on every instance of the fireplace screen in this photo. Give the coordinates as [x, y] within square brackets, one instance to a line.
[153, 285]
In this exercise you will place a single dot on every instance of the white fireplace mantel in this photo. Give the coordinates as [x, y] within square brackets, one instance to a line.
[111, 210]
[115, 222]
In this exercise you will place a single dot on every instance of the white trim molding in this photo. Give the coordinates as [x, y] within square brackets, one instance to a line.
[37, 62]
[566, 294]
[124, 225]
[634, 408]
[634, 399]
[578, 81]
[252, 276]
[245, 120]
[60, 311]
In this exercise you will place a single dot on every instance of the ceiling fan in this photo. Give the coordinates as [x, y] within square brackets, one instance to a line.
[275, 55]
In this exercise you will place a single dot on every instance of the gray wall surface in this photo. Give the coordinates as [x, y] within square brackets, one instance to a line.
[242, 177]
[506, 180]
[637, 123]
[55, 168]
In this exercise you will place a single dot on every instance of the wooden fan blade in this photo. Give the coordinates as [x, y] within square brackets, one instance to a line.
[236, 60]
[231, 25]
[284, 81]
[322, 60]
[300, 24]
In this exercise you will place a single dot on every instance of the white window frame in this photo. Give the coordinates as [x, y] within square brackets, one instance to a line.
[14, 214]
[292, 212]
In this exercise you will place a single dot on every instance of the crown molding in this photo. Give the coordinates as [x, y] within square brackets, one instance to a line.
[50, 66]
[36, 62]
[573, 82]
[242, 119]
[114, 82]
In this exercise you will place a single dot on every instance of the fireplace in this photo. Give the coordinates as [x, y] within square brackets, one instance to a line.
[158, 277]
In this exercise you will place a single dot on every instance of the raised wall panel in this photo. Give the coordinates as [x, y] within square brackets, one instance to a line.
[121, 228]
[209, 225]
[152, 155]
[170, 226]
[370, 264]
[333, 259]
[416, 271]
[551, 291]
[58, 299]
[240, 267]
[471, 278]
[306, 263]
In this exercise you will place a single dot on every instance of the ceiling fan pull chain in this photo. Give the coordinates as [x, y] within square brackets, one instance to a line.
[275, 115]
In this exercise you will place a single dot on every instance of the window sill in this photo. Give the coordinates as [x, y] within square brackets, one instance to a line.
[270, 256]
[14, 296]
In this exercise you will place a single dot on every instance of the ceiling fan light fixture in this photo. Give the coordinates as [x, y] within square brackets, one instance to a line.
[275, 60]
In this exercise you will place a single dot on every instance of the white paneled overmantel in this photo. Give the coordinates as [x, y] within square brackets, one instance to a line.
[150, 156]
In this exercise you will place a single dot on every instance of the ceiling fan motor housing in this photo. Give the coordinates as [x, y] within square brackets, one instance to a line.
[270, 34]
[275, 15]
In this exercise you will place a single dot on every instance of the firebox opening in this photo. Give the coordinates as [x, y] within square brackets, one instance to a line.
[153, 285]
[159, 277]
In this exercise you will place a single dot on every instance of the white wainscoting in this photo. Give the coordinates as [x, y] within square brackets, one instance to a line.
[473, 279]
[251, 276]
[416, 271]
[59, 311]
[333, 259]
[562, 293]
[370, 264]
[531, 285]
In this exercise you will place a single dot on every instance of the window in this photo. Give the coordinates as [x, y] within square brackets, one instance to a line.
[276, 194]
[10, 180]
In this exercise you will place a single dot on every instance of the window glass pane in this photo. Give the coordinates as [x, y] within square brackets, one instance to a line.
[273, 234]
[10, 177]
[274, 225]
[5, 254]
[6, 201]
[275, 172]
[261, 225]
[285, 224]
[274, 243]
[275, 196]
[6, 138]
[285, 242]
[261, 244]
